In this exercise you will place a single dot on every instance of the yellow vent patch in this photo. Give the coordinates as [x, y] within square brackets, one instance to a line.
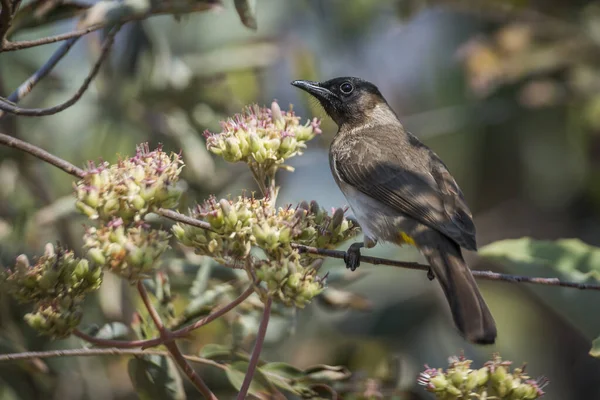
[403, 238]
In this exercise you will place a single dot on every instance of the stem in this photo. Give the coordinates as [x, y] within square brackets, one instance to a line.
[42, 155]
[260, 338]
[25, 88]
[37, 112]
[216, 314]
[165, 334]
[487, 275]
[100, 352]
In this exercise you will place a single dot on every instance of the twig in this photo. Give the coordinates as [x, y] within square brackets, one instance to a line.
[178, 217]
[158, 10]
[488, 275]
[165, 334]
[42, 155]
[260, 338]
[129, 344]
[100, 352]
[12, 46]
[25, 88]
[37, 112]
[216, 314]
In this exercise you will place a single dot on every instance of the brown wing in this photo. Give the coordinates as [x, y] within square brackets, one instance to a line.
[411, 179]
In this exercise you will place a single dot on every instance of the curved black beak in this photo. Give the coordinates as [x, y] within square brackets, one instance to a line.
[315, 89]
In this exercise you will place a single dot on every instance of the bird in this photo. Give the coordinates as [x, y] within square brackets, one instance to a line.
[401, 192]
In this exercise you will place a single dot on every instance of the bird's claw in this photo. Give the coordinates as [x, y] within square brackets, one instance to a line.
[352, 256]
[430, 274]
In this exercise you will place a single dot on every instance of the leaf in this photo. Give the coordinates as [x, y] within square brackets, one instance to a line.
[41, 12]
[284, 376]
[327, 373]
[260, 386]
[566, 259]
[572, 257]
[215, 351]
[595, 350]
[246, 9]
[156, 378]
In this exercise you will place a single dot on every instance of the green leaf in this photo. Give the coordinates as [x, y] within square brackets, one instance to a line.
[284, 376]
[327, 373]
[260, 386]
[40, 13]
[595, 350]
[565, 259]
[572, 257]
[246, 9]
[215, 351]
[156, 378]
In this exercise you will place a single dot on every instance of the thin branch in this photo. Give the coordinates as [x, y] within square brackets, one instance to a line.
[180, 333]
[254, 359]
[38, 112]
[487, 275]
[119, 344]
[214, 315]
[100, 352]
[41, 154]
[12, 46]
[25, 88]
[178, 217]
[158, 10]
[165, 334]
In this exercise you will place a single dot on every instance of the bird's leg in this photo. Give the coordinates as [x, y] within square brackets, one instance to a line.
[352, 256]
[430, 274]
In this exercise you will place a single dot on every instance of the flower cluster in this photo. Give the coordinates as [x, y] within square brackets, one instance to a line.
[494, 380]
[131, 253]
[238, 226]
[262, 135]
[57, 283]
[290, 282]
[130, 188]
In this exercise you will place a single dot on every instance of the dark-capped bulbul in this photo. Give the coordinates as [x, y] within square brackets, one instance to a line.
[401, 192]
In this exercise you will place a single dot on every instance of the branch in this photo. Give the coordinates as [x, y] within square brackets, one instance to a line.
[178, 217]
[42, 155]
[254, 359]
[40, 74]
[99, 352]
[158, 10]
[37, 112]
[487, 275]
[165, 334]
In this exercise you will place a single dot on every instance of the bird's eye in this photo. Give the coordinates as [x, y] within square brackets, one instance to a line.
[346, 88]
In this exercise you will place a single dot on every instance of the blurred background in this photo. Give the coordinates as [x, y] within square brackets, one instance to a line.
[506, 92]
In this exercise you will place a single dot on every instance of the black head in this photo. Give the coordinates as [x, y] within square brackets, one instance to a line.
[346, 100]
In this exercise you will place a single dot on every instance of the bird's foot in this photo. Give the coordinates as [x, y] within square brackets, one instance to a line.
[352, 256]
[430, 274]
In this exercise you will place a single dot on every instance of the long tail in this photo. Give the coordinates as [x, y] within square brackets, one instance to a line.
[469, 311]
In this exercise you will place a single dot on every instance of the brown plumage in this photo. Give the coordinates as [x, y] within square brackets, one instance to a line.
[401, 192]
